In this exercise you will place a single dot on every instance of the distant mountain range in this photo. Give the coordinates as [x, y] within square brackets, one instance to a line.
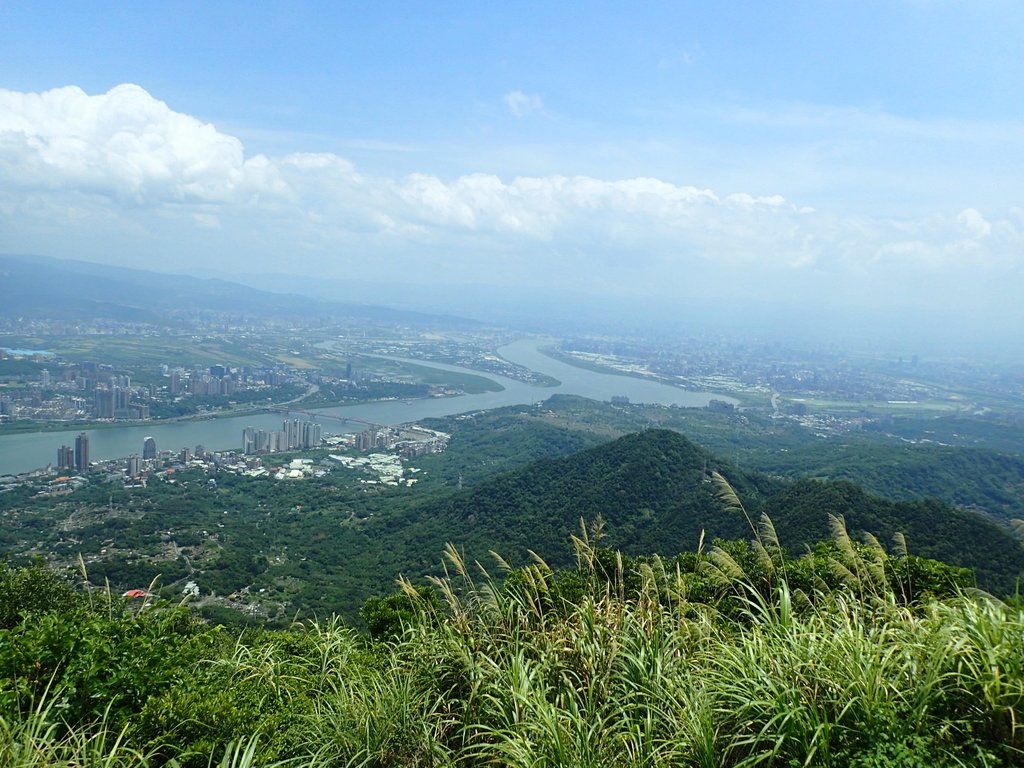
[541, 306]
[39, 286]
[36, 286]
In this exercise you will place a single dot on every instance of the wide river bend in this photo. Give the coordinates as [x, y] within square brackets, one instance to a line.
[27, 451]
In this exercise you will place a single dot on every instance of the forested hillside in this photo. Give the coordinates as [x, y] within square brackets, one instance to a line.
[263, 550]
[981, 467]
[652, 489]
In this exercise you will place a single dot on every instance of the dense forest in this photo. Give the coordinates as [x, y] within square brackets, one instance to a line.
[512, 481]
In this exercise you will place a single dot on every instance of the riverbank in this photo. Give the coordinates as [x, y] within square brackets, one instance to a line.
[27, 451]
[742, 397]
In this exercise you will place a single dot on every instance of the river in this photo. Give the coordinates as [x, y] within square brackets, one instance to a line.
[27, 451]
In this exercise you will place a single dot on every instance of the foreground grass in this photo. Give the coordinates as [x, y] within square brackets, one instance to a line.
[575, 669]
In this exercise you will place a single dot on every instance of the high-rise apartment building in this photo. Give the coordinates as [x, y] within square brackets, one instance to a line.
[65, 457]
[249, 440]
[82, 452]
[291, 429]
[311, 433]
[103, 403]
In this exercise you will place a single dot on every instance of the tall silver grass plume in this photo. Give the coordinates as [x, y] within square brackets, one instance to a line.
[766, 528]
[730, 500]
[722, 565]
[899, 544]
[837, 524]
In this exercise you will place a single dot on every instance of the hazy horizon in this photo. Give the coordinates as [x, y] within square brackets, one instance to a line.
[856, 160]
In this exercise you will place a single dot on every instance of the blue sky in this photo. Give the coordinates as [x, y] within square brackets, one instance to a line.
[864, 153]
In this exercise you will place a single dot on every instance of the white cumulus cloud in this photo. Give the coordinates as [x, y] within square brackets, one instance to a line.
[123, 143]
[124, 169]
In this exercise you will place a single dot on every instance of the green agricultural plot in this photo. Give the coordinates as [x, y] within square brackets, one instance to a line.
[908, 407]
[142, 353]
[424, 374]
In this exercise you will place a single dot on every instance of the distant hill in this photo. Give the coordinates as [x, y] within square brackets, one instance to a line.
[932, 528]
[984, 474]
[38, 286]
[649, 488]
[971, 478]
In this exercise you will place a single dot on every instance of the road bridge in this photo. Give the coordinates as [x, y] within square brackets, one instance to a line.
[320, 415]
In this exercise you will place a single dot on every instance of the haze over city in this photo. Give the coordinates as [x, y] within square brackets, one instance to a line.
[859, 157]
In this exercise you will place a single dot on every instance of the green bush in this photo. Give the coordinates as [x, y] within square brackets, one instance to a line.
[35, 589]
[92, 657]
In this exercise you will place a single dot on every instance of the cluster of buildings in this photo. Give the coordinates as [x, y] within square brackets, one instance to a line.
[196, 383]
[65, 391]
[76, 458]
[409, 442]
[87, 390]
[113, 400]
[220, 380]
[75, 468]
[294, 435]
[387, 467]
[104, 394]
[135, 468]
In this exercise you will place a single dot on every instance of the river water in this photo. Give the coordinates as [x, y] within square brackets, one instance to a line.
[28, 451]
